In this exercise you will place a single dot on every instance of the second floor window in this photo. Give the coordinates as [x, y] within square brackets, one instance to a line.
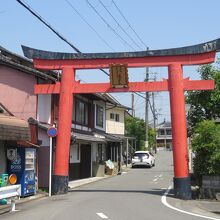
[169, 132]
[99, 116]
[81, 112]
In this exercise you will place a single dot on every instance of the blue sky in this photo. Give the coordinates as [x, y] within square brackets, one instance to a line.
[160, 24]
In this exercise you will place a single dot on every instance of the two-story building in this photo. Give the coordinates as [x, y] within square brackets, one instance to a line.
[18, 105]
[164, 135]
[115, 125]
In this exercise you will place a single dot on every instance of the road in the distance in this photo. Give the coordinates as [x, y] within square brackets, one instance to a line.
[132, 196]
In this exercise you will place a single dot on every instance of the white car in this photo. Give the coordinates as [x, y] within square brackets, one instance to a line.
[143, 158]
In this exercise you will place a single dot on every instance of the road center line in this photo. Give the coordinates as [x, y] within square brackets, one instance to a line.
[164, 201]
[100, 214]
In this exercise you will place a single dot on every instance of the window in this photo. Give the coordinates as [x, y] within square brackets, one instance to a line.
[99, 116]
[112, 116]
[117, 117]
[169, 132]
[81, 112]
[162, 132]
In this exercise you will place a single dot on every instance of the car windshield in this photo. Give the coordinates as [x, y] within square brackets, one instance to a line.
[140, 155]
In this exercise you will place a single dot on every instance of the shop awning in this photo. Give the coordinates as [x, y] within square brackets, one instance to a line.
[13, 129]
[108, 137]
[86, 137]
[124, 137]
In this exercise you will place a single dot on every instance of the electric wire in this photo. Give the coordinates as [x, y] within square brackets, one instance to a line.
[83, 18]
[108, 25]
[119, 25]
[48, 25]
[52, 29]
[120, 12]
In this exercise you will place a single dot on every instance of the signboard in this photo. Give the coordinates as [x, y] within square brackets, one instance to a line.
[52, 132]
[118, 75]
[12, 153]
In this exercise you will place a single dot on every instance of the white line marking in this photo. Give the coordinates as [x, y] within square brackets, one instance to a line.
[164, 201]
[160, 175]
[100, 214]
[155, 180]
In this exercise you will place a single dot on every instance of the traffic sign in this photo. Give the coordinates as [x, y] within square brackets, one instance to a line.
[52, 132]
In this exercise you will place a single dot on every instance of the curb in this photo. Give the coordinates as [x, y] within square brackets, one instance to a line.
[6, 208]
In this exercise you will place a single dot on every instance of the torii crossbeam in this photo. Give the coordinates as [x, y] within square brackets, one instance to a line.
[174, 59]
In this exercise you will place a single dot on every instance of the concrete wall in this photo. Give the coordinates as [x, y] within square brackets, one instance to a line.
[17, 92]
[112, 126]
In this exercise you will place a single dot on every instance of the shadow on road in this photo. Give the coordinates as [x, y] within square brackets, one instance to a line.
[158, 192]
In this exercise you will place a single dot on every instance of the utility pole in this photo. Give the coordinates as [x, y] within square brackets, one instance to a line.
[154, 117]
[132, 104]
[165, 133]
[146, 108]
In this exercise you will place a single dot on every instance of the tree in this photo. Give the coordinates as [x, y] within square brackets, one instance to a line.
[135, 127]
[206, 145]
[204, 104]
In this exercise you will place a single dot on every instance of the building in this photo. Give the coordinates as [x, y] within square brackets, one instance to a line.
[164, 135]
[115, 125]
[18, 106]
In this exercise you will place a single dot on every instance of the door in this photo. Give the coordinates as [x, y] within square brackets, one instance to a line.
[85, 169]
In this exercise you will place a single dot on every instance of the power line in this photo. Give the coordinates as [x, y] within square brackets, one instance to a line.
[48, 25]
[120, 12]
[108, 25]
[119, 25]
[52, 29]
[83, 18]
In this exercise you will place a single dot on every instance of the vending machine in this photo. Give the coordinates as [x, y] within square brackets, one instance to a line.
[23, 165]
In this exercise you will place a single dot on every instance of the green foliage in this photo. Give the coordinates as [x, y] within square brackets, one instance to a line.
[204, 104]
[135, 127]
[206, 145]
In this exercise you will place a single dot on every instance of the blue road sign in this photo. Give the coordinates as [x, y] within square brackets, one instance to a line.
[52, 132]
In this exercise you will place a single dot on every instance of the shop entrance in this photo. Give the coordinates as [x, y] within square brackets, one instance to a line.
[85, 165]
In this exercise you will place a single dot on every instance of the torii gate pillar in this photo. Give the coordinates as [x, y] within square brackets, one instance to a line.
[182, 186]
[61, 168]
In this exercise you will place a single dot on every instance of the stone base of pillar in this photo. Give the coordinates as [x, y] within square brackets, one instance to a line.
[182, 188]
[59, 185]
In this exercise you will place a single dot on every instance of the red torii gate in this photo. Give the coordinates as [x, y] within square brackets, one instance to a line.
[174, 59]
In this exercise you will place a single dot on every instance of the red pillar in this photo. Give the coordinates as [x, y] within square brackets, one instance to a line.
[60, 177]
[182, 187]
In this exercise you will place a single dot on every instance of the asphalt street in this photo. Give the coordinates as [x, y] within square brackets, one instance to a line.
[131, 196]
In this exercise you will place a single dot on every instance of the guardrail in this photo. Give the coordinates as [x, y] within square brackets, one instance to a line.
[11, 192]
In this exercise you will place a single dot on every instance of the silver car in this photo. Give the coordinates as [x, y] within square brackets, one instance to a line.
[143, 158]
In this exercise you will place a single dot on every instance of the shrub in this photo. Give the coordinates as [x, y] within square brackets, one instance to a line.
[206, 146]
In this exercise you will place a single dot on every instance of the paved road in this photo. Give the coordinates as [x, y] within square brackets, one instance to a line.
[132, 196]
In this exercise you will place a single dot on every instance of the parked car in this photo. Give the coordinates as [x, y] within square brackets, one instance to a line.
[143, 158]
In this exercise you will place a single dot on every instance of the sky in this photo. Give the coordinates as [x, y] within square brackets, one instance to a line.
[159, 24]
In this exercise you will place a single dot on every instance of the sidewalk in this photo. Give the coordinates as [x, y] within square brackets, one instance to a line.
[77, 183]
[6, 208]
[209, 208]
[72, 185]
